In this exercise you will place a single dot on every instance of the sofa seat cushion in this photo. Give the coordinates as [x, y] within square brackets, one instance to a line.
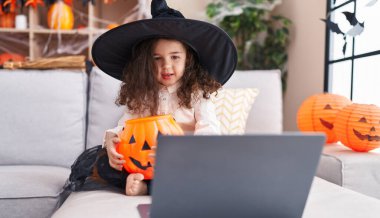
[35, 189]
[354, 170]
[329, 200]
[32, 181]
[100, 204]
[325, 200]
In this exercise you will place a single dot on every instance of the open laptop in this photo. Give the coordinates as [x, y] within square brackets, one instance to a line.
[233, 176]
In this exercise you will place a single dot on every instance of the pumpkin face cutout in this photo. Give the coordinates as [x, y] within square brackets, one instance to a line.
[317, 113]
[358, 127]
[137, 139]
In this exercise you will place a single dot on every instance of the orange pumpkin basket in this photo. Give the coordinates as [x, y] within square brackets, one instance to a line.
[137, 139]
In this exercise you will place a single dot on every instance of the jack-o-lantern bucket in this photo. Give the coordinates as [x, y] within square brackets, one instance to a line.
[317, 113]
[137, 139]
[357, 126]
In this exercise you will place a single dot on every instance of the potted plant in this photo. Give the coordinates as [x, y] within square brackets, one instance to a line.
[261, 38]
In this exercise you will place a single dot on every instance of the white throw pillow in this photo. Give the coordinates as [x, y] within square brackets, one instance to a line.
[232, 108]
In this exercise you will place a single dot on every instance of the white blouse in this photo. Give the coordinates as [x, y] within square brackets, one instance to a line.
[198, 120]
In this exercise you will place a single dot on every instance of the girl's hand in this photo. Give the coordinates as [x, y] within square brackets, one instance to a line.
[115, 159]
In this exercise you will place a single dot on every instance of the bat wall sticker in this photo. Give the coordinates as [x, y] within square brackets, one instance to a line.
[356, 27]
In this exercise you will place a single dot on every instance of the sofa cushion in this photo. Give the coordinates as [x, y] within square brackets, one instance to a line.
[266, 113]
[354, 170]
[103, 113]
[232, 107]
[34, 188]
[325, 200]
[42, 118]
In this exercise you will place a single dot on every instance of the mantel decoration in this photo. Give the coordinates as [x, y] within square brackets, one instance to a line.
[139, 136]
[261, 38]
[318, 112]
[357, 126]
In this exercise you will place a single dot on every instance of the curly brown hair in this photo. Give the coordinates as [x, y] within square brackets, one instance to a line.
[139, 90]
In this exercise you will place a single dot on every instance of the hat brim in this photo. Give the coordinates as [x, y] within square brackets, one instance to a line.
[215, 49]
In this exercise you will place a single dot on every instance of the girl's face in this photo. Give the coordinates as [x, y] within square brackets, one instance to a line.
[170, 60]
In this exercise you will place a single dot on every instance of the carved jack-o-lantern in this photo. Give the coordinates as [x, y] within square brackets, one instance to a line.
[137, 139]
[357, 126]
[317, 113]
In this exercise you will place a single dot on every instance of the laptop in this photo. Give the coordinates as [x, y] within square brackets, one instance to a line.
[263, 175]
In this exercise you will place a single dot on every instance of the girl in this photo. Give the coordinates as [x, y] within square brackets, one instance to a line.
[168, 65]
[169, 81]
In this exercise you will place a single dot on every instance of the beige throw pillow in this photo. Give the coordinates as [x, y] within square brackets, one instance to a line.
[232, 108]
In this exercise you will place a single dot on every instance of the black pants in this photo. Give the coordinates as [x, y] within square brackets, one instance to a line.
[91, 171]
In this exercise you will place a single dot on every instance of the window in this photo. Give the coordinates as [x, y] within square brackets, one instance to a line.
[352, 65]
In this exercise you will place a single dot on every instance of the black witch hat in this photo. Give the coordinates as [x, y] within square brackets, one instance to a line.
[215, 50]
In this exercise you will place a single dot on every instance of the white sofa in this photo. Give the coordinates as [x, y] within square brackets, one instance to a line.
[49, 117]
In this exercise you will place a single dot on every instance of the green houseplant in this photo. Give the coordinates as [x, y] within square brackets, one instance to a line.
[261, 38]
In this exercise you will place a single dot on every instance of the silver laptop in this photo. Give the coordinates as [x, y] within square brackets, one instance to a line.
[233, 176]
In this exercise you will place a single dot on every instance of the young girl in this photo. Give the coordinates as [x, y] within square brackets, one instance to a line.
[169, 81]
[167, 65]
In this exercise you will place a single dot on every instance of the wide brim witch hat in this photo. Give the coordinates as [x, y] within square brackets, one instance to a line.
[215, 50]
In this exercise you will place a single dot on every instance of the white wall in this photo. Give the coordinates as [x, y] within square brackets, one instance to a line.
[306, 51]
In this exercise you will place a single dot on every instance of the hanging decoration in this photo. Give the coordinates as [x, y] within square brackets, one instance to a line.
[356, 27]
[357, 126]
[317, 113]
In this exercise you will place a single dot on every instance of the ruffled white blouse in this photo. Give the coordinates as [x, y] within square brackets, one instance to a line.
[199, 120]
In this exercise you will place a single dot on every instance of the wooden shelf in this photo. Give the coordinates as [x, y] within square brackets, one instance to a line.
[13, 30]
[37, 31]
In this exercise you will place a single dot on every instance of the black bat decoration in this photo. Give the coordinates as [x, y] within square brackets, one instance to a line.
[350, 17]
[333, 27]
[344, 46]
[357, 28]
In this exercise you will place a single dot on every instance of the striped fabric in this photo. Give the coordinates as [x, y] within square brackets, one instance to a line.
[232, 108]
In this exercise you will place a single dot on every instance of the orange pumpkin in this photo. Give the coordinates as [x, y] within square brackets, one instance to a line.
[60, 16]
[112, 25]
[137, 139]
[317, 113]
[10, 57]
[357, 126]
[7, 20]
